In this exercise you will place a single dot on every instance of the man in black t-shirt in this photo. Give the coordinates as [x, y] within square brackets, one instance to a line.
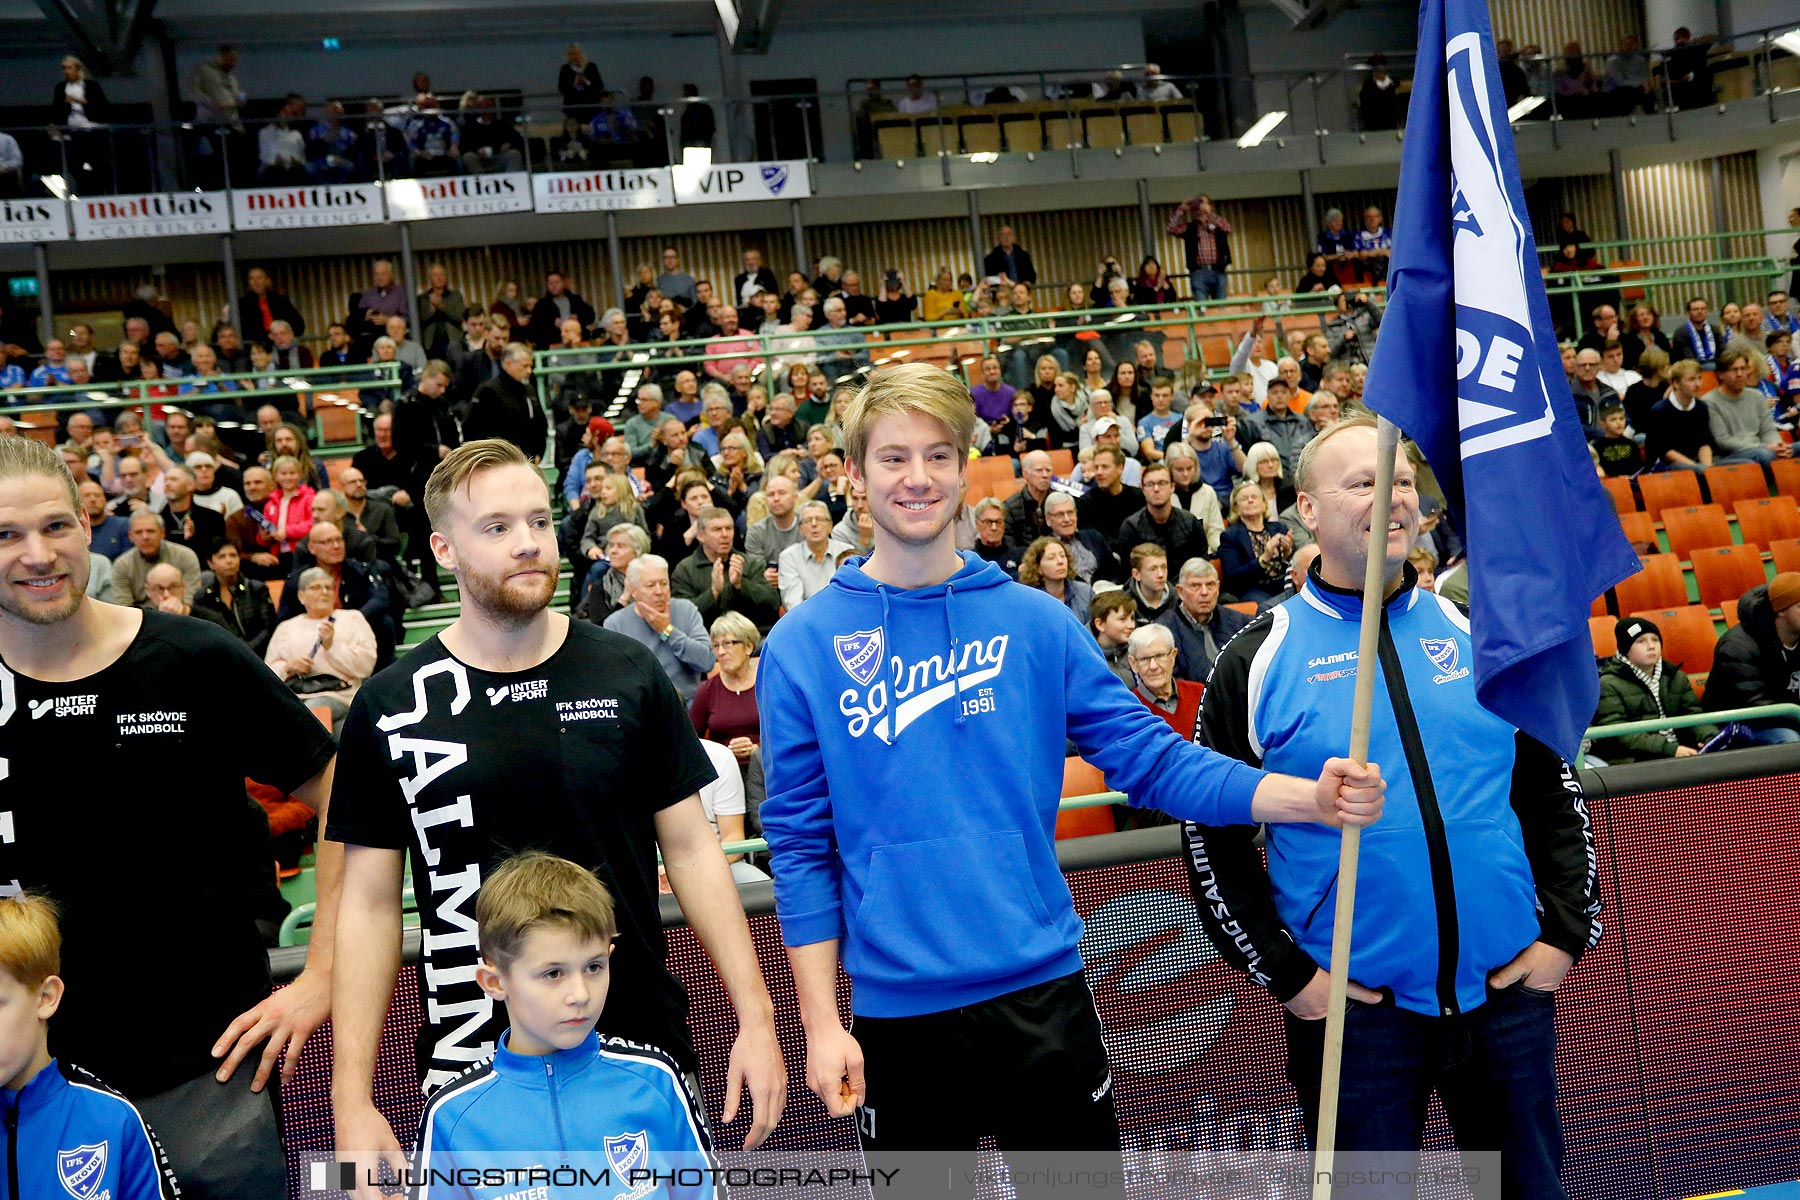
[111, 688]
[517, 729]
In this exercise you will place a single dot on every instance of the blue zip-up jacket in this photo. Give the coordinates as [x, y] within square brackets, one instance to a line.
[1483, 845]
[606, 1105]
[913, 744]
[67, 1134]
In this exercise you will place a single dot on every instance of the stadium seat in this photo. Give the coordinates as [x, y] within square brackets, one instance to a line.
[1640, 531]
[1766, 520]
[986, 474]
[1006, 489]
[1082, 778]
[1601, 633]
[1695, 527]
[1729, 608]
[1787, 476]
[1062, 462]
[1658, 585]
[1726, 572]
[1687, 636]
[1786, 553]
[1668, 489]
[1247, 607]
[1619, 488]
[275, 589]
[1744, 481]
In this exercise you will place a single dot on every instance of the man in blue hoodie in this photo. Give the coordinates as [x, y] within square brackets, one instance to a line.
[877, 697]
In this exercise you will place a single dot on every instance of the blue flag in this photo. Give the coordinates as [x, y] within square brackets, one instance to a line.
[1468, 366]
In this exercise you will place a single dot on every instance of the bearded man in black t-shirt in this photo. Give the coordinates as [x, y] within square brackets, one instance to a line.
[518, 729]
[112, 688]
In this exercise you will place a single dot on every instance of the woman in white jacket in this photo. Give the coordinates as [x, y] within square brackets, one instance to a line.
[324, 641]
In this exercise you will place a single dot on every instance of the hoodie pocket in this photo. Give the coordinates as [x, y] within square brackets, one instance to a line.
[952, 910]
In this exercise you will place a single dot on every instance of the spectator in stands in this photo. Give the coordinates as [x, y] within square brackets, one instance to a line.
[383, 298]
[736, 471]
[331, 148]
[288, 509]
[1636, 684]
[1160, 522]
[754, 278]
[432, 140]
[406, 350]
[1254, 550]
[641, 430]
[1152, 655]
[474, 336]
[1777, 318]
[723, 709]
[489, 141]
[1613, 371]
[557, 305]
[1317, 277]
[131, 476]
[1214, 441]
[1263, 466]
[1279, 426]
[805, 567]
[843, 350]
[1024, 510]
[249, 529]
[1323, 409]
[1603, 327]
[579, 84]
[767, 538]
[1652, 385]
[991, 542]
[239, 605]
[110, 533]
[1577, 87]
[859, 309]
[671, 627]
[1193, 495]
[1350, 330]
[1689, 75]
[1749, 329]
[1757, 662]
[1105, 506]
[1045, 566]
[1338, 245]
[131, 569]
[477, 368]
[1643, 332]
[1619, 452]
[325, 652]
[943, 301]
[1149, 583]
[1591, 395]
[357, 584]
[53, 371]
[1199, 623]
[1378, 100]
[1626, 84]
[1156, 427]
[718, 579]
[780, 431]
[673, 282]
[1008, 262]
[1743, 430]
[262, 306]
[916, 99]
[1112, 616]
[12, 168]
[1091, 559]
[441, 307]
[1151, 286]
[1730, 320]
[281, 147]
[506, 406]
[328, 509]
[185, 522]
[605, 591]
[1697, 338]
[741, 350]
[165, 590]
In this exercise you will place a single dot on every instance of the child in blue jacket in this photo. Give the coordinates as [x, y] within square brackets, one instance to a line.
[65, 1133]
[557, 1107]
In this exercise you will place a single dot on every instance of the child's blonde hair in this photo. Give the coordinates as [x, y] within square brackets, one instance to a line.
[30, 942]
[536, 890]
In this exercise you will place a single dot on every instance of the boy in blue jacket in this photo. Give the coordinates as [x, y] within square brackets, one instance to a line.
[557, 1105]
[66, 1133]
[914, 718]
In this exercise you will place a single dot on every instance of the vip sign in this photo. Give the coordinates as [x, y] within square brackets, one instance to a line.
[459, 196]
[743, 181]
[313, 207]
[150, 214]
[600, 191]
[45, 220]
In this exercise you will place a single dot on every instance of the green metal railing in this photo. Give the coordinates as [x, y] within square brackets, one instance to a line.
[1722, 717]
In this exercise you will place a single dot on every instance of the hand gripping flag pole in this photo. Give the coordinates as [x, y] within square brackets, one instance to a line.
[1387, 441]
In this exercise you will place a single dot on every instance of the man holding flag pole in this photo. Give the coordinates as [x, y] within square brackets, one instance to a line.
[1479, 888]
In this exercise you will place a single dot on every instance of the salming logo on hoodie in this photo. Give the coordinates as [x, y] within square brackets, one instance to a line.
[916, 687]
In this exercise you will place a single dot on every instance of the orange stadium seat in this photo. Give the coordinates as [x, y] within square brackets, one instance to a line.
[1769, 519]
[1668, 489]
[1247, 607]
[1062, 462]
[1787, 476]
[1743, 481]
[1726, 572]
[1786, 553]
[1658, 585]
[1082, 778]
[1601, 633]
[1687, 636]
[1695, 527]
[1619, 488]
[1729, 608]
[1640, 531]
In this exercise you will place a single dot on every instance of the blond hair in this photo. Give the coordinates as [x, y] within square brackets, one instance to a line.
[21, 456]
[456, 468]
[1309, 454]
[906, 389]
[536, 890]
[30, 942]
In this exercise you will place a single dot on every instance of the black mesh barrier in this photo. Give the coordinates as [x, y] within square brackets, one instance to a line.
[1679, 1036]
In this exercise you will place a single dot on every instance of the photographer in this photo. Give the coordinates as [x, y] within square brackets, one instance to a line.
[896, 305]
[1351, 329]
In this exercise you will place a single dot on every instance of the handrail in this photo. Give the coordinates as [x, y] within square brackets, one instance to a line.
[1728, 235]
[1722, 717]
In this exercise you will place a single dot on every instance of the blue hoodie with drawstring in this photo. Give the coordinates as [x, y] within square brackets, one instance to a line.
[913, 744]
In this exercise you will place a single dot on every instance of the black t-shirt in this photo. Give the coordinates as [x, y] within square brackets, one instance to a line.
[125, 793]
[464, 768]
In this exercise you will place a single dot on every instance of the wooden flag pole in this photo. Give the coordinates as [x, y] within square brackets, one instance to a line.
[1387, 441]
